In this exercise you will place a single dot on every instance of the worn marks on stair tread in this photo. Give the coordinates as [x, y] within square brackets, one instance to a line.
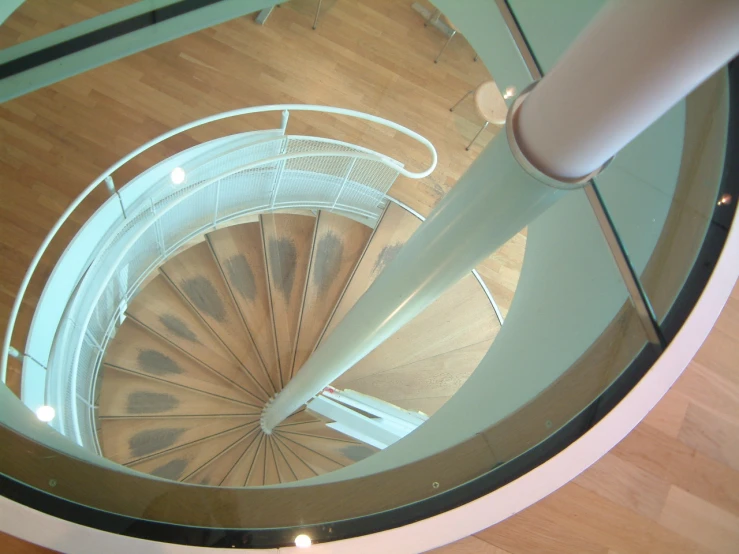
[177, 327]
[128, 394]
[198, 277]
[288, 239]
[203, 295]
[329, 250]
[239, 250]
[338, 245]
[156, 363]
[135, 348]
[153, 440]
[241, 276]
[393, 230]
[126, 440]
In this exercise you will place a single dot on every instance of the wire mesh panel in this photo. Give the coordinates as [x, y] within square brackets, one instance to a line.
[335, 176]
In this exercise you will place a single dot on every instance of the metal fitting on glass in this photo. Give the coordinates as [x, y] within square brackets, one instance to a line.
[531, 169]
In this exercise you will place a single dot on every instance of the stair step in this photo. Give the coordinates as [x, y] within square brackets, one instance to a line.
[255, 478]
[288, 241]
[298, 466]
[339, 243]
[271, 473]
[126, 394]
[238, 474]
[316, 429]
[214, 472]
[162, 310]
[137, 349]
[460, 317]
[303, 416]
[197, 276]
[284, 471]
[179, 464]
[240, 253]
[127, 440]
[318, 463]
[339, 451]
[394, 229]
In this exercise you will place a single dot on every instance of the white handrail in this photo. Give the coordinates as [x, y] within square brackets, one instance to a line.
[225, 115]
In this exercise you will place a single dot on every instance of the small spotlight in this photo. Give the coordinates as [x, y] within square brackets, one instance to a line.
[45, 413]
[177, 175]
[303, 541]
[510, 92]
[725, 200]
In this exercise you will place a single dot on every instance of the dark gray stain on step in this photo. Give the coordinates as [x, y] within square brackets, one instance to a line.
[241, 276]
[204, 296]
[356, 452]
[387, 255]
[171, 470]
[143, 402]
[284, 256]
[153, 440]
[329, 252]
[156, 363]
[177, 327]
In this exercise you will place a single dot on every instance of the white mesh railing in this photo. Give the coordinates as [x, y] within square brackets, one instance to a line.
[275, 172]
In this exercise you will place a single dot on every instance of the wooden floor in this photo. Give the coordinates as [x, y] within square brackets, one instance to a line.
[671, 486]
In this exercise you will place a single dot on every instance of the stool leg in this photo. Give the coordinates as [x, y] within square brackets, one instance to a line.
[477, 135]
[433, 18]
[318, 11]
[461, 100]
[445, 45]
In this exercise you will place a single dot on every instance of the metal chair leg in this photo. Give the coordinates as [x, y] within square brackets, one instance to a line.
[433, 19]
[318, 12]
[461, 100]
[445, 45]
[477, 135]
[475, 58]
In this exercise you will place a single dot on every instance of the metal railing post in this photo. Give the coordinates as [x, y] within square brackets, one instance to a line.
[343, 184]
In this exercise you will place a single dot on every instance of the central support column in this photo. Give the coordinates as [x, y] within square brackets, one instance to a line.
[504, 190]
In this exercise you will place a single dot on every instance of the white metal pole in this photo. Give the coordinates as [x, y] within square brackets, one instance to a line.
[631, 64]
[500, 194]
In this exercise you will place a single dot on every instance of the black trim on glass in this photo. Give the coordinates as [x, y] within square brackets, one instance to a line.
[98, 36]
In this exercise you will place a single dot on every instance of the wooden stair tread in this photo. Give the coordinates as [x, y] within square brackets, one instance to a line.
[179, 464]
[433, 377]
[460, 317]
[255, 478]
[137, 349]
[317, 429]
[161, 309]
[238, 474]
[127, 394]
[318, 463]
[303, 416]
[284, 471]
[128, 440]
[215, 471]
[393, 230]
[339, 451]
[339, 242]
[240, 253]
[271, 473]
[299, 468]
[288, 242]
[197, 276]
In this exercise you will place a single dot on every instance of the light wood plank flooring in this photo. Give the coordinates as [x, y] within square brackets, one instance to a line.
[671, 486]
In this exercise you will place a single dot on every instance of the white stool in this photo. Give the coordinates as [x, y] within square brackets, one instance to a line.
[490, 105]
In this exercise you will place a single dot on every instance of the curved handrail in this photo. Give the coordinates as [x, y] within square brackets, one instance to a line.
[186, 127]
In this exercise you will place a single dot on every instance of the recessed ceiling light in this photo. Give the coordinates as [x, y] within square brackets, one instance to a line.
[303, 541]
[177, 175]
[45, 413]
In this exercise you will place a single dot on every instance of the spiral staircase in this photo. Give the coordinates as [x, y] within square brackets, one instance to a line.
[222, 327]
